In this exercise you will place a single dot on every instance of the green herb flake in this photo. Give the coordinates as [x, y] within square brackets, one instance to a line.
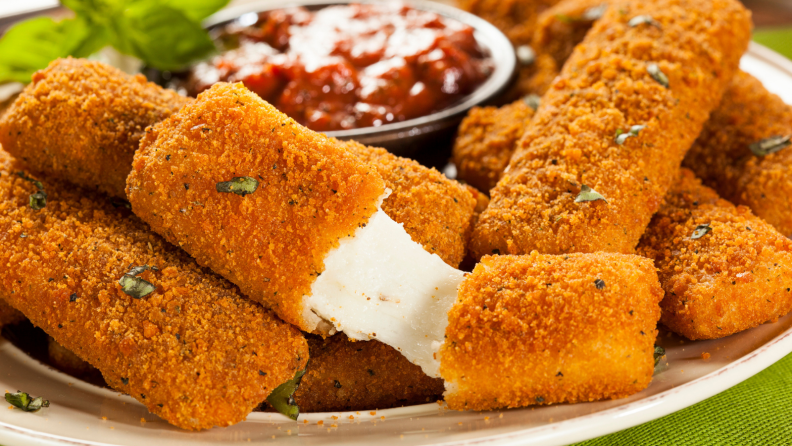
[526, 55]
[594, 13]
[657, 74]
[770, 145]
[533, 101]
[643, 20]
[282, 398]
[22, 400]
[134, 286]
[621, 135]
[38, 200]
[588, 194]
[701, 231]
[239, 185]
[659, 352]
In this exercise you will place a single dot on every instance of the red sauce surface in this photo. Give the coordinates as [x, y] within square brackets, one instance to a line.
[349, 66]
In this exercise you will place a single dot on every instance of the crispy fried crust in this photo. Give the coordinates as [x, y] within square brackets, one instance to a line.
[515, 18]
[435, 211]
[722, 159]
[195, 351]
[605, 86]
[348, 375]
[560, 28]
[272, 243]
[82, 121]
[485, 142]
[736, 277]
[544, 329]
[9, 315]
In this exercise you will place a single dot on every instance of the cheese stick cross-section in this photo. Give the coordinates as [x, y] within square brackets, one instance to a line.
[303, 233]
[182, 341]
[618, 120]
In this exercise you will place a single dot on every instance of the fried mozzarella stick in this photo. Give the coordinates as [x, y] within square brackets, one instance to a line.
[744, 151]
[182, 341]
[82, 121]
[544, 329]
[293, 218]
[9, 315]
[609, 136]
[723, 269]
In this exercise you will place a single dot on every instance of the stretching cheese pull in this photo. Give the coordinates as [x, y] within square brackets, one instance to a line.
[628, 104]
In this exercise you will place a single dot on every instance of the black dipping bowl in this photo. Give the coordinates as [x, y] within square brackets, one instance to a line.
[430, 133]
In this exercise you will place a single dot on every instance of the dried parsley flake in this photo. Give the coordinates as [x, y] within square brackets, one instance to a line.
[659, 352]
[643, 20]
[526, 55]
[238, 185]
[770, 145]
[621, 135]
[38, 199]
[657, 74]
[589, 194]
[532, 101]
[22, 400]
[133, 285]
[701, 231]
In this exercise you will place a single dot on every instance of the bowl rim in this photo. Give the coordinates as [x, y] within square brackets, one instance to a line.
[500, 49]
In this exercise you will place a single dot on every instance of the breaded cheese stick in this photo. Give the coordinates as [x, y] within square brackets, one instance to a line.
[180, 340]
[723, 269]
[346, 375]
[436, 212]
[9, 315]
[608, 138]
[291, 217]
[722, 157]
[82, 121]
[560, 28]
[545, 329]
[485, 141]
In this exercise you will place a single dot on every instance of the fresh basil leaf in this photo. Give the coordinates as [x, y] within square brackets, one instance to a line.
[282, 398]
[163, 37]
[31, 45]
[196, 10]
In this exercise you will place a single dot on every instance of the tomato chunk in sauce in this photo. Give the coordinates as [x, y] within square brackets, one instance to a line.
[350, 66]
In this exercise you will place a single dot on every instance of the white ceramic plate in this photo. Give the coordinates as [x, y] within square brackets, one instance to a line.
[83, 414]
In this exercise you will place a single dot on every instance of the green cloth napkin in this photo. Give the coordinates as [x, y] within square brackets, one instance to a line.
[755, 412]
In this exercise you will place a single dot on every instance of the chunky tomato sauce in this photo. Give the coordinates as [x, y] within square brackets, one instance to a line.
[349, 66]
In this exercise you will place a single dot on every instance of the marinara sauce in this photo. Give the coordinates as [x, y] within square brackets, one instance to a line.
[350, 66]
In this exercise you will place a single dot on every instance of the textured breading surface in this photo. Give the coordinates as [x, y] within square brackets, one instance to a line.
[195, 351]
[82, 121]
[737, 276]
[722, 159]
[605, 87]
[435, 211]
[348, 375]
[515, 18]
[272, 242]
[560, 28]
[544, 329]
[485, 142]
[9, 315]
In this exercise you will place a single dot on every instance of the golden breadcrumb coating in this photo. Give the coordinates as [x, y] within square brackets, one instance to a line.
[272, 242]
[515, 18]
[535, 78]
[560, 28]
[82, 121]
[735, 277]
[545, 329]
[485, 142]
[435, 211]
[722, 159]
[347, 375]
[194, 351]
[9, 315]
[606, 87]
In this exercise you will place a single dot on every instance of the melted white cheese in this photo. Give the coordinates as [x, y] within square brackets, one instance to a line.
[381, 285]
